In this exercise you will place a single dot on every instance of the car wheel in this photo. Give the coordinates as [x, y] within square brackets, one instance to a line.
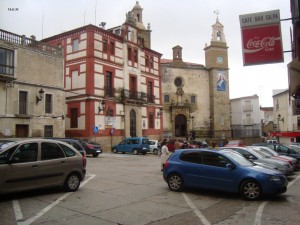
[95, 154]
[115, 150]
[155, 151]
[135, 151]
[250, 190]
[175, 182]
[72, 182]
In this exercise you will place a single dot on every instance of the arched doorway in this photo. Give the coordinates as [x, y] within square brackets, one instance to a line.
[132, 123]
[180, 126]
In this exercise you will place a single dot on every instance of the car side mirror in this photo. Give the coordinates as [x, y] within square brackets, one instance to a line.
[230, 166]
[251, 158]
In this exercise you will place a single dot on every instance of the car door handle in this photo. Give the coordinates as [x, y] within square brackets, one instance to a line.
[34, 166]
[63, 161]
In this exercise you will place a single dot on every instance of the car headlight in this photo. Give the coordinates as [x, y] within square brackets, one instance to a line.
[274, 178]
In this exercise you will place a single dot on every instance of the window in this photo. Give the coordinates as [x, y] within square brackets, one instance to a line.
[193, 157]
[193, 99]
[150, 91]
[69, 152]
[178, 82]
[105, 46]
[213, 159]
[146, 61]
[48, 131]
[109, 84]
[298, 123]
[112, 48]
[48, 103]
[6, 61]
[166, 98]
[26, 153]
[23, 102]
[135, 55]
[75, 45]
[129, 54]
[151, 62]
[51, 151]
[74, 118]
[151, 120]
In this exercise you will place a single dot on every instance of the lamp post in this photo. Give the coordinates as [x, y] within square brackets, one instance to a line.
[278, 120]
[210, 128]
[193, 132]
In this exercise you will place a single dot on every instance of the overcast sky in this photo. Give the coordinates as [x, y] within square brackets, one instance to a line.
[173, 22]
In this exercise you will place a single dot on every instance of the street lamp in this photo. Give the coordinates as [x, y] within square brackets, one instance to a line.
[210, 127]
[40, 96]
[102, 105]
[193, 132]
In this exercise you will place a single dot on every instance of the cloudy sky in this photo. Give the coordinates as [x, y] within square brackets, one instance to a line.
[173, 22]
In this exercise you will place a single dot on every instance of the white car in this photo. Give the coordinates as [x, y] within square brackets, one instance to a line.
[154, 146]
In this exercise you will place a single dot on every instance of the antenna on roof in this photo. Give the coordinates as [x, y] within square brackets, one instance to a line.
[95, 12]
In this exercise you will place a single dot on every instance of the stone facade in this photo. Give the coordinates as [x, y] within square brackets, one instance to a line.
[30, 67]
[196, 97]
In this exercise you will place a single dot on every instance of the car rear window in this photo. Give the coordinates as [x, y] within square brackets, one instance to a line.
[68, 151]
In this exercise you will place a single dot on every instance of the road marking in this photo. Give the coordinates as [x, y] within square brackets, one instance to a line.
[259, 213]
[196, 211]
[18, 211]
[261, 207]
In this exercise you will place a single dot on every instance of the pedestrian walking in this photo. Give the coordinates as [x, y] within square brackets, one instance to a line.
[164, 155]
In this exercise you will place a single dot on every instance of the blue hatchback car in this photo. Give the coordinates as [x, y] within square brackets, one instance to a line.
[223, 170]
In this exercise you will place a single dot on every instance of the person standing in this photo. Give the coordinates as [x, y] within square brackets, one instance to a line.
[164, 155]
[176, 144]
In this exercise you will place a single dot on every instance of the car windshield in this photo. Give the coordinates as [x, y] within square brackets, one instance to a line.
[238, 158]
[266, 152]
[262, 154]
[295, 148]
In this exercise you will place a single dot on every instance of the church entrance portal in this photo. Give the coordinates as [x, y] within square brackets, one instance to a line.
[180, 126]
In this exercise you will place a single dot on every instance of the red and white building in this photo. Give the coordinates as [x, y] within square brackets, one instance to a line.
[112, 81]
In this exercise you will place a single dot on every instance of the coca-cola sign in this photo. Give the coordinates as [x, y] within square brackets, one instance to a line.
[261, 43]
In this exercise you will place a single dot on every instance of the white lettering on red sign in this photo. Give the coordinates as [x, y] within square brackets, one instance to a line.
[266, 43]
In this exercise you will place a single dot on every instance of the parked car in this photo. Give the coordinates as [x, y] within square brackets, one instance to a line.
[182, 144]
[235, 143]
[74, 142]
[40, 163]
[281, 149]
[200, 144]
[223, 170]
[154, 147]
[133, 145]
[91, 147]
[258, 157]
[271, 153]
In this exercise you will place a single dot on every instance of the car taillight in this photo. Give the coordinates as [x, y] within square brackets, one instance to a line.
[84, 161]
[166, 164]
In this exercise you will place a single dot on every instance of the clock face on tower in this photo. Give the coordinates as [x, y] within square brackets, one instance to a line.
[219, 59]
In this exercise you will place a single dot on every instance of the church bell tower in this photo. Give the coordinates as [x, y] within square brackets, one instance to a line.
[216, 62]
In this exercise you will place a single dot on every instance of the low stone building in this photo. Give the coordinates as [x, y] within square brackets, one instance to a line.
[32, 98]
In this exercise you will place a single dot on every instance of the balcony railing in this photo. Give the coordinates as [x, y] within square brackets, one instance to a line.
[110, 92]
[30, 43]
